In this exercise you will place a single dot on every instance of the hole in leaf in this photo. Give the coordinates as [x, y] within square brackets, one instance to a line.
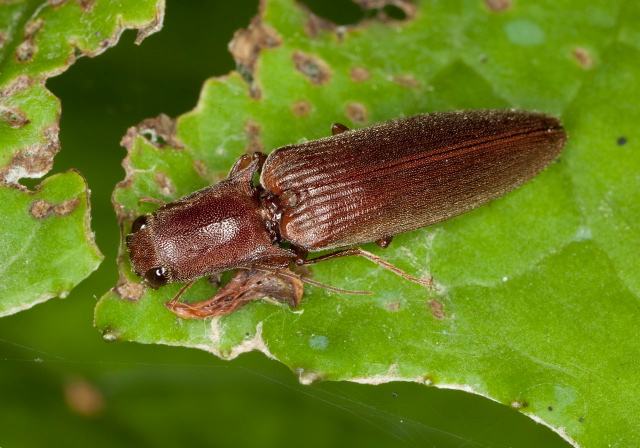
[394, 12]
[340, 12]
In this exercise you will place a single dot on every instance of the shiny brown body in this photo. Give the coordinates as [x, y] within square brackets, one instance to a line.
[351, 188]
[393, 177]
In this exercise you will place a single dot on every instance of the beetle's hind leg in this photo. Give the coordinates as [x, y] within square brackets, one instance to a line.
[356, 251]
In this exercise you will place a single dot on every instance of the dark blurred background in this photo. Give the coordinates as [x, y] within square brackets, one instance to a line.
[61, 385]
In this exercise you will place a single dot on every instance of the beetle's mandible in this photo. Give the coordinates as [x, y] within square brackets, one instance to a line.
[337, 192]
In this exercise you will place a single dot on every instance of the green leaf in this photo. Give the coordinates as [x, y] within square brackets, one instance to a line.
[44, 257]
[48, 255]
[536, 293]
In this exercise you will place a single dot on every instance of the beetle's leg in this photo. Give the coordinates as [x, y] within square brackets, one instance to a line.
[260, 157]
[300, 254]
[338, 128]
[152, 200]
[182, 290]
[384, 242]
[245, 160]
[241, 163]
[356, 251]
[244, 286]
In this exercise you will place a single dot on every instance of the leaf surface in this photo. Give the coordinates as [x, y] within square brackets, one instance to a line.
[47, 256]
[536, 294]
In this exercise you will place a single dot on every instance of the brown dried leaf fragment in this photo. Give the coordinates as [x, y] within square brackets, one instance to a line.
[315, 69]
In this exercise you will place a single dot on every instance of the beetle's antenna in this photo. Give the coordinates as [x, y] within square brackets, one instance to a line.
[288, 273]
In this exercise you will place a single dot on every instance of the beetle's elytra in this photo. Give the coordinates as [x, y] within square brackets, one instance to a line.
[350, 188]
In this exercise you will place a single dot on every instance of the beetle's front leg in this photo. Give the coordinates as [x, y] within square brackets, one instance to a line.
[245, 285]
[245, 160]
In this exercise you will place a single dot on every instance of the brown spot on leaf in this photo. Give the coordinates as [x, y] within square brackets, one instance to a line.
[85, 5]
[32, 28]
[83, 398]
[165, 184]
[25, 51]
[19, 84]
[129, 291]
[301, 108]
[3, 38]
[41, 209]
[33, 161]
[315, 69]
[252, 128]
[154, 26]
[498, 5]
[159, 131]
[245, 47]
[583, 57]
[67, 207]
[357, 113]
[393, 306]
[407, 81]
[15, 117]
[437, 309]
[201, 168]
[359, 74]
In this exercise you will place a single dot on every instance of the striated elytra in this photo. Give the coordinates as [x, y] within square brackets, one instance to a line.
[337, 192]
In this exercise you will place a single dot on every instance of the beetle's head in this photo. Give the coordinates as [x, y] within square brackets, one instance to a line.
[146, 261]
[215, 229]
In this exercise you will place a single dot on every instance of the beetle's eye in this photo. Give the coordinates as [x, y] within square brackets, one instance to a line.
[157, 276]
[139, 224]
